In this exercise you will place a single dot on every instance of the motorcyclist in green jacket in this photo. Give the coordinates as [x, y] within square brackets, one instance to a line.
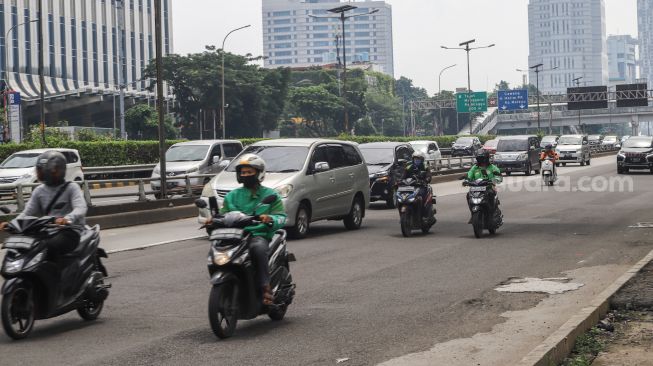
[484, 169]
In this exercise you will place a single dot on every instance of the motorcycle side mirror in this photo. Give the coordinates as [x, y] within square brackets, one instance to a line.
[402, 161]
[200, 203]
[269, 199]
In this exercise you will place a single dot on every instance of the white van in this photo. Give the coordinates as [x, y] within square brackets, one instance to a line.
[20, 167]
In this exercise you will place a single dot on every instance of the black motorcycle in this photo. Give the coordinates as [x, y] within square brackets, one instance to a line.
[479, 201]
[415, 212]
[235, 293]
[38, 286]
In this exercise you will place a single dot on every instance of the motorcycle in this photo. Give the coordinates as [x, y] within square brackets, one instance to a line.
[549, 175]
[235, 294]
[478, 200]
[38, 287]
[415, 212]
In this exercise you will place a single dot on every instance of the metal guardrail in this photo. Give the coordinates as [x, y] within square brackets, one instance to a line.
[119, 169]
[23, 191]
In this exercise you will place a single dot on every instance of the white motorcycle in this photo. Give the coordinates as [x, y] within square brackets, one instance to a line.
[549, 175]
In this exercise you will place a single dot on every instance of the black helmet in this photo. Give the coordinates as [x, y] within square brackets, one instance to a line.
[548, 147]
[483, 157]
[51, 168]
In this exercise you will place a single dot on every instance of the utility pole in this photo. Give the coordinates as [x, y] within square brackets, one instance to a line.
[120, 19]
[41, 72]
[577, 82]
[223, 120]
[159, 90]
[538, 69]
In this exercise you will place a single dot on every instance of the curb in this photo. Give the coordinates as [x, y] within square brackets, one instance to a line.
[559, 345]
[111, 185]
[143, 247]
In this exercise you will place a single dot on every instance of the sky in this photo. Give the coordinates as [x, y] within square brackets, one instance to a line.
[420, 28]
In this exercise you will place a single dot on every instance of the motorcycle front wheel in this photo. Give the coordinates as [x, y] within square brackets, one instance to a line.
[18, 312]
[406, 225]
[223, 309]
[477, 223]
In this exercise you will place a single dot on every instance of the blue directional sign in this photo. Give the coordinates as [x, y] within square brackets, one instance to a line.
[513, 100]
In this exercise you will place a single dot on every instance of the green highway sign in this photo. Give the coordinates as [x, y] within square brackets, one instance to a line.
[478, 102]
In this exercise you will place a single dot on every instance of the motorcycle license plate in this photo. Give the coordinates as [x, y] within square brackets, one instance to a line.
[479, 189]
[405, 189]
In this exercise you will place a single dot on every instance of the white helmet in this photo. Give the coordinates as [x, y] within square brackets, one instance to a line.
[419, 155]
[254, 161]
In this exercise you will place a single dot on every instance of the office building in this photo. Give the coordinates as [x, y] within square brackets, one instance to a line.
[622, 59]
[645, 27]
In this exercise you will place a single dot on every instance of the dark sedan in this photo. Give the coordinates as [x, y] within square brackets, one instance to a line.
[636, 153]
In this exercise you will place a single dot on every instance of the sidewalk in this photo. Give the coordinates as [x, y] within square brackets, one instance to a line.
[143, 236]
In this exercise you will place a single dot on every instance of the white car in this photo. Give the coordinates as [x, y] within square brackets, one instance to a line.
[431, 150]
[20, 168]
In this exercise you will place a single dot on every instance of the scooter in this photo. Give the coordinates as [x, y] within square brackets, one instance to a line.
[415, 212]
[235, 293]
[36, 287]
[478, 200]
[549, 175]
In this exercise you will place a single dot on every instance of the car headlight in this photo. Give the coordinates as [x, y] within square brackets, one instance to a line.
[621, 154]
[157, 170]
[208, 190]
[26, 176]
[284, 190]
[381, 174]
[14, 266]
[193, 170]
[522, 157]
[579, 151]
[37, 258]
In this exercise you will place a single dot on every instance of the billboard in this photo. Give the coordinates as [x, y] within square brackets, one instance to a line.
[632, 95]
[587, 97]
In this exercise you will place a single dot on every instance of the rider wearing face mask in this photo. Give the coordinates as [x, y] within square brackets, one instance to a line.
[250, 172]
[57, 198]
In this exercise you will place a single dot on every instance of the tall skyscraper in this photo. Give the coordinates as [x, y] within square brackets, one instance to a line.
[622, 59]
[291, 37]
[569, 35]
[645, 26]
[81, 44]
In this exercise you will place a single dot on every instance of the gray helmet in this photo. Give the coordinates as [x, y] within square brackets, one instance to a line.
[51, 168]
[254, 161]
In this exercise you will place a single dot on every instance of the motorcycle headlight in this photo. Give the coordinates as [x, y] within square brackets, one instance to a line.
[14, 266]
[36, 260]
[221, 258]
[284, 190]
[477, 200]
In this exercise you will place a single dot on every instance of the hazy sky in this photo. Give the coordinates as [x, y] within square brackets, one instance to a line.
[420, 27]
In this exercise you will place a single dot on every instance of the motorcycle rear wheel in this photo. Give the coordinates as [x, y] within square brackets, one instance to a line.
[477, 223]
[18, 313]
[223, 309]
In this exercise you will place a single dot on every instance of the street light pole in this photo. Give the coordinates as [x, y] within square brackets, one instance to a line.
[41, 73]
[577, 82]
[467, 49]
[440, 86]
[159, 88]
[223, 120]
[537, 69]
[120, 20]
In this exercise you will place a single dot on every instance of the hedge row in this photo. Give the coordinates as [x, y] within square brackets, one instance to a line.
[110, 153]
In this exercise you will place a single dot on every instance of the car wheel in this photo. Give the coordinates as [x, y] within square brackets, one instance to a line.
[564, 164]
[529, 169]
[621, 171]
[391, 201]
[302, 222]
[354, 219]
[589, 161]
[508, 174]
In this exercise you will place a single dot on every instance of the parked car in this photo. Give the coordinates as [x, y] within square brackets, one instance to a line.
[491, 146]
[595, 141]
[574, 149]
[466, 146]
[549, 140]
[194, 158]
[317, 180]
[20, 168]
[609, 143]
[636, 153]
[518, 154]
[431, 150]
[386, 163]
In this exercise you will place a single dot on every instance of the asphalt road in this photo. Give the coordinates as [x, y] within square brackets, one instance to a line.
[368, 296]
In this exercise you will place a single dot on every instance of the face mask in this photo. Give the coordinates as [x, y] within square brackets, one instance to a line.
[418, 163]
[249, 181]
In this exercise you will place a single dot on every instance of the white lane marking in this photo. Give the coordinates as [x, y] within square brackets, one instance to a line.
[146, 246]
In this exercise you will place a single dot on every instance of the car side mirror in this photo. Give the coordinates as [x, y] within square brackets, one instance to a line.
[431, 151]
[215, 160]
[321, 167]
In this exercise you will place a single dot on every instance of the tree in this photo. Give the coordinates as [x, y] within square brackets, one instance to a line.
[317, 108]
[142, 123]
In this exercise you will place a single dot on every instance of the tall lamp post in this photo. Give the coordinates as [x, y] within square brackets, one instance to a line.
[467, 49]
[222, 106]
[342, 10]
[577, 82]
[538, 69]
[440, 85]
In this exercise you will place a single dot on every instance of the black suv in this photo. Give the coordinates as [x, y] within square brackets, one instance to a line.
[636, 153]
[518, 154]
[386, 164]
[466, 146]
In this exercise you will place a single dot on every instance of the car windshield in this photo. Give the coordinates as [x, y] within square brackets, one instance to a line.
[278, 159]
[464, 141]
[638, 143]
[378, 156]
[570, 140]
[420, 146]
[187, 153]
[548, 140]
[20, 161]
[594, 137]
[512, 145]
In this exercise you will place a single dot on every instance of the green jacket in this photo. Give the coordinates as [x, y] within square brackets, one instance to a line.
[241, 199]
[493, 173]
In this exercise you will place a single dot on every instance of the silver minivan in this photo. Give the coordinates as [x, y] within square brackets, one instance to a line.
[195, 158]
[317, 180]
[574, 149]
